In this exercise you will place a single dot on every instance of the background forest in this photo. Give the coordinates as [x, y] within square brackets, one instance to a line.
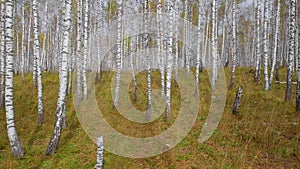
[50, 50]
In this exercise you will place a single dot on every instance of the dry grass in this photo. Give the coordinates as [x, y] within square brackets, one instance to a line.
[265, 134]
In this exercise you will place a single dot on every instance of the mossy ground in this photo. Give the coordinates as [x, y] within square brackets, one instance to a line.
[265, 133]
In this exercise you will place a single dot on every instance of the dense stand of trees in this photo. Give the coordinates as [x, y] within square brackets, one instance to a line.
[59, 36]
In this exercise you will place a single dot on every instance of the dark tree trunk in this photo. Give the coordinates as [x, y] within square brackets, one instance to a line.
[237, 101]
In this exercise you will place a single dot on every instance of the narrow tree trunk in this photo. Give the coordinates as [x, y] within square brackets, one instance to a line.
[266, 44]
[224, 35]
[23, 44]
[186, 37]
[201, 15]
[85, 48]
[159, 46]
[3, 53]
[276, 43]
[29, 40]
[233, 44]
[78, 51]
[100, 24]
[237, 100]
[61, 103]
[214, 45]
[291, 54]
[9, 91]
[148, 71]
[169, 62]
[258, 54]
[36, 54]
[119, 53]
[176, 39]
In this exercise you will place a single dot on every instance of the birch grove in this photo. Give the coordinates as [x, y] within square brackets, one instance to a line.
[77, 38]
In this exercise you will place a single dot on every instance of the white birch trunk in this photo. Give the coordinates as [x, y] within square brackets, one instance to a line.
[233, 44]
[148, 71]
[215, 43]
[159, 45]
[169, 62]
[3, 54]
[9, 78]
[119, 53]
[266, 45]
[186, 37]
[258, 54]
[201, 15]
[78, 51]
[291, 52]
[176, 39]
[85, 48]
[23, 44]
[61, 103]
[29, 40]
[100, 25]
[224, 59]
[36, 55]
[276, 38]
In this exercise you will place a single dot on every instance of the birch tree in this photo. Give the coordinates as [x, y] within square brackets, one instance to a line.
[159, 46]
[276, 43]
[176, 9]
[29, 38]
[291, 52]
[36, 55]
[100, 15]
[148, 71]
[61, 103]
[214, 44]
[201, 15]
[266, 44]
[3, 50]
[186, 37]
[169, 61]
[233, 44]
[258, 54]
[85, 48]
[119, 52]
[16, 146]
[224, 35]
[23, 44]
[78, 51]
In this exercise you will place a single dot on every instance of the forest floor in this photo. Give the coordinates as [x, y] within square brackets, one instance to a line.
[265, 133]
